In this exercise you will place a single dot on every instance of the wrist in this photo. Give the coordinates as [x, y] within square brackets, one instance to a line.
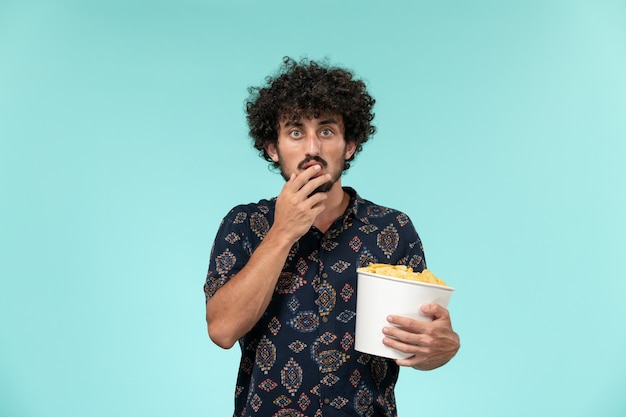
[280, 239]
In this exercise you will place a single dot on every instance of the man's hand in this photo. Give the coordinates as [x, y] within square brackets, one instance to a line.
[296, 208]
[431, 343]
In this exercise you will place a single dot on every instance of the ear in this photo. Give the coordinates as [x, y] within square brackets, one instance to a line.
[350, 149]
[271, 150]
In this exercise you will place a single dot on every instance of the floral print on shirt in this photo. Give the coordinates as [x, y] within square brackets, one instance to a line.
[299, 359]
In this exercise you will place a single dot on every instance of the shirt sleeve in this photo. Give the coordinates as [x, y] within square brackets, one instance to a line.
[231, 250]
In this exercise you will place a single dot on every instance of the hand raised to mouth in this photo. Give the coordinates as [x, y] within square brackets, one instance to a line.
[298, 204]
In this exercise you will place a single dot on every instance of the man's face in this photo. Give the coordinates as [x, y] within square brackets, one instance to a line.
[306, 142]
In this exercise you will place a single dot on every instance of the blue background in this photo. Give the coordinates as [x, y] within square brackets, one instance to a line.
[502, 133]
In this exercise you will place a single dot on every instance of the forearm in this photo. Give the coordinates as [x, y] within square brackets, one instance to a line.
[239, 304]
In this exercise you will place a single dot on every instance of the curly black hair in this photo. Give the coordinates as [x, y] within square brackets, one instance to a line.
[308, 89]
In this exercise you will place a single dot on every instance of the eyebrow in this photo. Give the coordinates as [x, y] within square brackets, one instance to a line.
[291, 124]
[329, 121]
[322, 122]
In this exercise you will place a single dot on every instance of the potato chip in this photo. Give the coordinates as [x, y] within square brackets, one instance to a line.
[404, 272]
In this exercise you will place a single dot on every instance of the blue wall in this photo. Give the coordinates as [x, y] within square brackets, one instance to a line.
[502, 133]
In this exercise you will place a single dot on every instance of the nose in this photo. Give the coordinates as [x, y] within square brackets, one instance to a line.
[313, 144]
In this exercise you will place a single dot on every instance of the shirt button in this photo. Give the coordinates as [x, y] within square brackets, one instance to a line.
[325, 319]
[326, 401]
[324, 275]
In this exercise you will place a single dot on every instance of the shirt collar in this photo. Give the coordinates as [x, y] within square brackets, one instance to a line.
[357, 207]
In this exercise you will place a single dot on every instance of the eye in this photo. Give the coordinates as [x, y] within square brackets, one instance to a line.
[296, 134]
[326, 132]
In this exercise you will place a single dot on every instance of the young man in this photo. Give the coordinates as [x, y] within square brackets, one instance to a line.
[282, 274]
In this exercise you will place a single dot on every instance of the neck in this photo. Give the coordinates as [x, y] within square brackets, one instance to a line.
[336, 205]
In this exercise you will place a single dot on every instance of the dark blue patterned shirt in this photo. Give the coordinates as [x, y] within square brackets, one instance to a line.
[299, 359]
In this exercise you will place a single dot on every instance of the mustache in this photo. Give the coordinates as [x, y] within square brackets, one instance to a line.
[316, 158]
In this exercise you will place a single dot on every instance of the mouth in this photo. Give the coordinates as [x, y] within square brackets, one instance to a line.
[310, 164]
[310, 161]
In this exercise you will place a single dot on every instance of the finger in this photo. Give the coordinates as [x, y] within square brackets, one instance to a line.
[415, 326]
[415, 361]
[300, 190]
[413, 347]
[408, 337]
[293, 184]
[289, 183]
[308, 188]
[303, 185]
[410, 361]
[306, 175]
[315, 203]
[436, 311]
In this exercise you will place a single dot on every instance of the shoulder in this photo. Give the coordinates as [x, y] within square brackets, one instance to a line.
[376, 216]
[243, 212]
[250, 219]
[370, 212]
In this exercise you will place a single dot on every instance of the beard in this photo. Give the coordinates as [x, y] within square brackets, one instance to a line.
[324, 188]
